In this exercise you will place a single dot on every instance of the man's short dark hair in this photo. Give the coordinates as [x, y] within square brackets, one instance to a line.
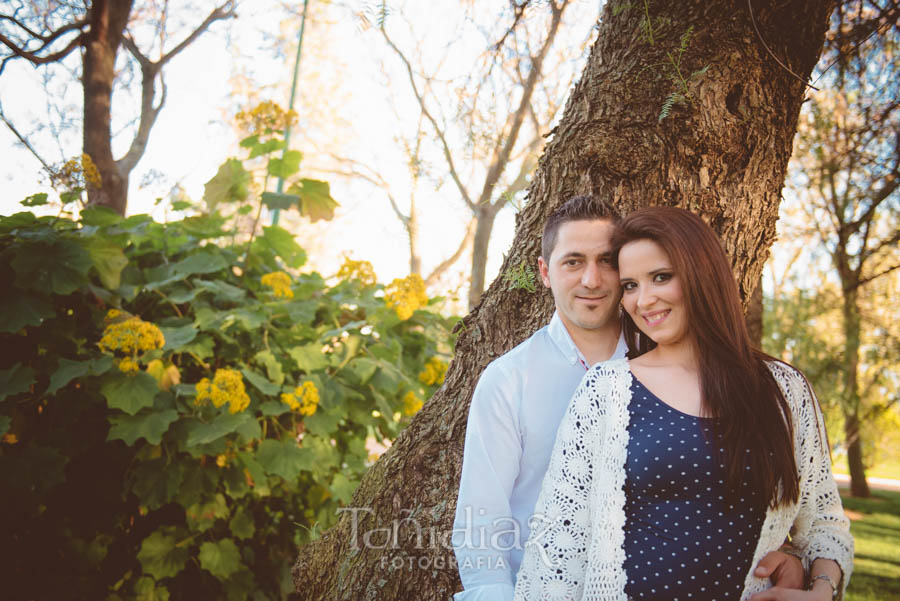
[577, 208]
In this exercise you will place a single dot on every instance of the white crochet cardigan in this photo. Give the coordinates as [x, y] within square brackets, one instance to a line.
[576, 548]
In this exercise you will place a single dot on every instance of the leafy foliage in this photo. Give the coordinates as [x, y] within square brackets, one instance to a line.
[135, 467]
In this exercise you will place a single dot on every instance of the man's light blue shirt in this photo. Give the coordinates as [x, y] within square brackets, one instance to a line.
[516, 410]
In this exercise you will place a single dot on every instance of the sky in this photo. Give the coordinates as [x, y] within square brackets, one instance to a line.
[353, 99]
[194, 134]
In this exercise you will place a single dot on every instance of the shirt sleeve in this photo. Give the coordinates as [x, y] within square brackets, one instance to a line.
[483, 529]
[556, 553]
[821, 530]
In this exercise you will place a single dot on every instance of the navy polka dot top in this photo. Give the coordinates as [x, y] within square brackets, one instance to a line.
[683, 540]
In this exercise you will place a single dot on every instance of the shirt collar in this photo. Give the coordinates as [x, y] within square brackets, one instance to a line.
[563, 341]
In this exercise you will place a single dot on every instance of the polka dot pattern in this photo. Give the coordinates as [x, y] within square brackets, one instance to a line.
[683, 540]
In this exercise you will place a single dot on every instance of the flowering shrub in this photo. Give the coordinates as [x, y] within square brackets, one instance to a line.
[173, 427]
[405, 295]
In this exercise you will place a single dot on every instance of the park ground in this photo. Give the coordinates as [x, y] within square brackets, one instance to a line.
[875, 524]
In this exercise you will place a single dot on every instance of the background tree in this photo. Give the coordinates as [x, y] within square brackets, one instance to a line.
[483, 116]
[46, 33]
[691, 103]
[846, 178]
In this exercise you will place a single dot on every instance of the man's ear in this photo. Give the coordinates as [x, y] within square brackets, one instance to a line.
[545, 272]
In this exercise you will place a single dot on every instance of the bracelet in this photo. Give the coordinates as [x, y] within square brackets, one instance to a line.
[828, 579]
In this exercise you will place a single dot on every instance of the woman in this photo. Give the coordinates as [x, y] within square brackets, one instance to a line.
[672, 474]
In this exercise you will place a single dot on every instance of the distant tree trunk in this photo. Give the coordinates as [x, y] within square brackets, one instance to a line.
[859, 487]
[724, 155]
[108, 21]
[754, 314]
[484, 216]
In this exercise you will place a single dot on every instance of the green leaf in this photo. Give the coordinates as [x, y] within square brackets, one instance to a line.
[364, 368]
[177, 337]
[265, 147]
[270, 408]
[204, 261]
[35, 200]
[231, 183]
[218, 427]
[343, 488]
[280, 200]
[282, 243]
[242, 526]
[287, 165]
[20, 310]
[309, 357]
[130, 393]
[260, 382]
[202, 516]
[283, 458]
[145, 589]
[99, 216]
[315, 199]
[59, 267]
[15, 380]
[160, 557]
[221, 559]
[67, 370]
[108, 259]
[221, 289]
[149, 425]
[249, 141]
[5, 422]
[256, 471]
[156, 482]
[272, 364]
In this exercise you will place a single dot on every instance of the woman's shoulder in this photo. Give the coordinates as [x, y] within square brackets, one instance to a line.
[793, 383]
[611, 367]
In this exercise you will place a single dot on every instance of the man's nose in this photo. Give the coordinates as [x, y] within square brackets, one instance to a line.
[591, 277]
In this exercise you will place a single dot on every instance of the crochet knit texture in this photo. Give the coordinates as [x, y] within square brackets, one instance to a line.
[576, 548]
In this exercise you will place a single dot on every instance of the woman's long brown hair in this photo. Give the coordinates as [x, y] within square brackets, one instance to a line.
[737, 388]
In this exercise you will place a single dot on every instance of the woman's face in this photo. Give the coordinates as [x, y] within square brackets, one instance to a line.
[651, 292]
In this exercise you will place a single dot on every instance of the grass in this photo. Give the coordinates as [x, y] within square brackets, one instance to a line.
[875, 525]
[890, 469]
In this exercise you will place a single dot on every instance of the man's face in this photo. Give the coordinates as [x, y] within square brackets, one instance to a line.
[585, 286]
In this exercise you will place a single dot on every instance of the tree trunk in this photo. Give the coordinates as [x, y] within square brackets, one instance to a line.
[754, 314]
[858, 485]
[484, 224]
[108, 20]
[723, 154]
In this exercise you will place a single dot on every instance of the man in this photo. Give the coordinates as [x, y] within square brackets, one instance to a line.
[522, 396]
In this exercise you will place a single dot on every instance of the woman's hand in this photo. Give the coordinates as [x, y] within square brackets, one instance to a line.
[783, 569]
[777, 593]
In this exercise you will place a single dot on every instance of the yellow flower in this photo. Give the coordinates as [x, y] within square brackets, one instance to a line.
[227, 386]
[91, 174]
[304, 399]
[221, 460]
[131, 336]
[361, 271]
[128, 365]
[10, 438]
[265, 118]
[411, 403]
[434, 372]
[112, 315]
[405, 295]
[279, 282]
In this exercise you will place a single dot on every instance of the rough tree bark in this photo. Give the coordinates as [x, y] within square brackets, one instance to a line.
[724, 155]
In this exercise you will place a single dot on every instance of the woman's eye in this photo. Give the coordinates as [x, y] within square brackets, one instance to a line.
[628, 286]
[662, 277]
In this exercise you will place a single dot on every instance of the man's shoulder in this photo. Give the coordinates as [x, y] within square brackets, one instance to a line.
[518, 358]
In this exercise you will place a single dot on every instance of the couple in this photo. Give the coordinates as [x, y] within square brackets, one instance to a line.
[677, 474]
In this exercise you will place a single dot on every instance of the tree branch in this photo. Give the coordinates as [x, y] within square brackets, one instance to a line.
[447, 263]
[149, 72]
[502, 153]
[437, 129]
[34, 58]
[25, 142]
